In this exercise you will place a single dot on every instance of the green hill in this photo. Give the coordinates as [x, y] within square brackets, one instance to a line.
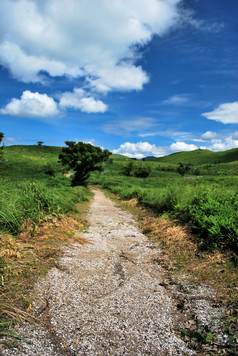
[28, 161]
[118, 157]
[200, 157]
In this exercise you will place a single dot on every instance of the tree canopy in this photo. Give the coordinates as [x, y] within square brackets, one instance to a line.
[83, 158]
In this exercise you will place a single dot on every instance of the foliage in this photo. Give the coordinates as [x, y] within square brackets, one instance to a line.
[1, 146]
[142, 170]
[209, 203]
[49, 170]
[40, 143]
[182, 169]
[139, 169]
[128, 167]
[84, 158]
[28, 193]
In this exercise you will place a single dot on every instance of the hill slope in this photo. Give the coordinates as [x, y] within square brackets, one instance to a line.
[21, 161]
[201, 157]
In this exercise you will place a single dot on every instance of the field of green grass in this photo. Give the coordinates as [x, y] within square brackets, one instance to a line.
[206, 197]
[33, 186]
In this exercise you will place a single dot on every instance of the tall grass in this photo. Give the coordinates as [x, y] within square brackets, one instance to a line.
[34, 200]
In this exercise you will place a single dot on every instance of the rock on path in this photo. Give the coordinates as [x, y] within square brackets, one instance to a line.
[105, 297]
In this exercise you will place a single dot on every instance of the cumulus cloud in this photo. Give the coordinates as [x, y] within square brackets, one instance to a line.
[226, 144]
[40, 106]
[96, 40]
[31, 105]
[79, 100]
[182, 146]
[209, 136]
[140, 150]
[226, 113]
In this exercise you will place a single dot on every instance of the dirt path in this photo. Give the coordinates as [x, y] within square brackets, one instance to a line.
[106, 297]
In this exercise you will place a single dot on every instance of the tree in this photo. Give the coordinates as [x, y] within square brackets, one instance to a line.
[40, 143]
[83, 158]
[1, 145]
[127, 168]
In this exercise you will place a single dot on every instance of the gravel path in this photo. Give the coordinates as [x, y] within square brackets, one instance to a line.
[106, 297]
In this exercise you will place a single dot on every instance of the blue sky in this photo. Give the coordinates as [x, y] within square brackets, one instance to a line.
[138, 78]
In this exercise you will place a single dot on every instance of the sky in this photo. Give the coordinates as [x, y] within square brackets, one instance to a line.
[140, 78]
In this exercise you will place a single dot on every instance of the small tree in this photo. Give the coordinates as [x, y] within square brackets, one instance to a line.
[83, 158]
[127, 168]
[40, 143]
[1, 145]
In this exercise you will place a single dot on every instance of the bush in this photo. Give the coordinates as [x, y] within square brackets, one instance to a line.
[142, 170]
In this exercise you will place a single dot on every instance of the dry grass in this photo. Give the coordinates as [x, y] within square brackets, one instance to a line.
[180, 247]
[29, 255]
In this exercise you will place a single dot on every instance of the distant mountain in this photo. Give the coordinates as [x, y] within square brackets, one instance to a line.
[148, 158]
[200, 157]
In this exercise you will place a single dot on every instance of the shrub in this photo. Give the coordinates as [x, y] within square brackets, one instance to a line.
[142, 170]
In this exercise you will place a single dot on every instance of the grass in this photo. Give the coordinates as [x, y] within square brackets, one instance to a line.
[207, 202]
[201, 157]
[38, 213]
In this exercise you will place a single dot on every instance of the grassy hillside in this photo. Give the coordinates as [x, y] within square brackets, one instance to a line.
[25, 162]
[201, 157]
[28, 191]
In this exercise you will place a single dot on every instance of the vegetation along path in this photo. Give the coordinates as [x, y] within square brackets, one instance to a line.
[109, 297]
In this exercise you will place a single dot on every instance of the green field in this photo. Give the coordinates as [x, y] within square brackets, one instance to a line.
[206, 196]
[28, 191]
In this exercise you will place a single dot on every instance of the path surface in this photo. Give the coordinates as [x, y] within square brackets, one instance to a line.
[106, 297]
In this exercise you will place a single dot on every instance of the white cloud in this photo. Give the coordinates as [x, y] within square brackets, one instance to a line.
[182, 146]
[140, 150]
[226, 144]
[11, 140]
[31, 105]
[96, 39]
[209, 136]
[226, 113]
[79, 100]
[125, 127]
[179, 100]
[235, 135]
[123, 77]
